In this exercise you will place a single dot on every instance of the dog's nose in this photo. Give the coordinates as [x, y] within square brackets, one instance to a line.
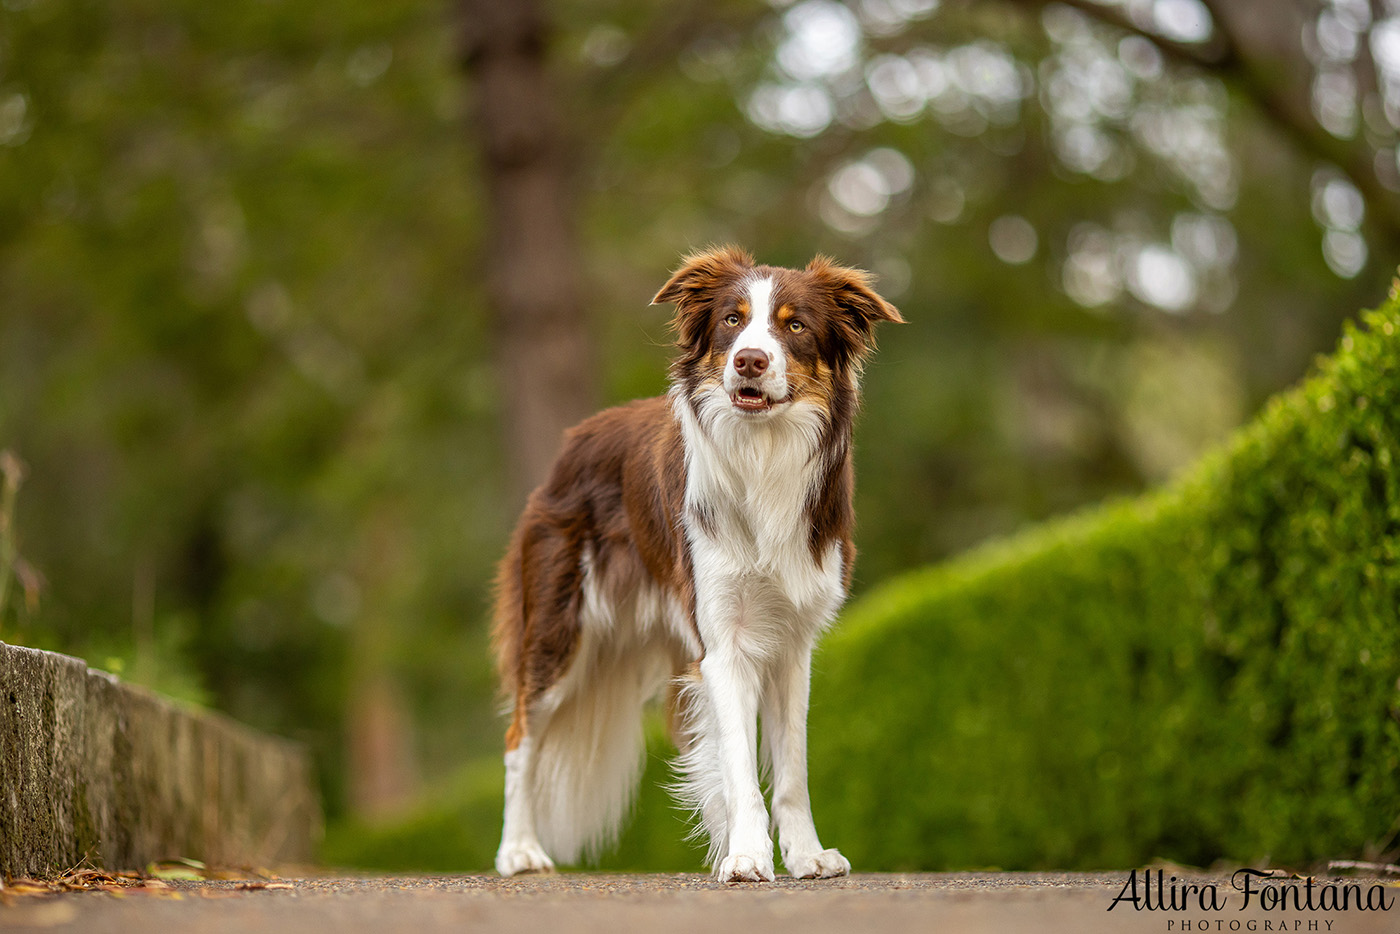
[750, 363]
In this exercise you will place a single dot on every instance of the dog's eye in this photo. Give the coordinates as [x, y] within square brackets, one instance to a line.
[732, 320]
[797, 327]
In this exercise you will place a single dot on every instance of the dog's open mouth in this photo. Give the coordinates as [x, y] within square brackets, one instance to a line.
[750, 399]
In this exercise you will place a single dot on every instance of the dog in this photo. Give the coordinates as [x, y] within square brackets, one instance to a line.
[701, 540]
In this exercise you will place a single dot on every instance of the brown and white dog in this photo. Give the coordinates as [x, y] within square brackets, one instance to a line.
[700, 539]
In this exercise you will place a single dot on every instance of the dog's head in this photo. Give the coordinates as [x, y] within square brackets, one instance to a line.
[767, 337]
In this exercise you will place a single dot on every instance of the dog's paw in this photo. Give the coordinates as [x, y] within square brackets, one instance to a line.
[823, 865]
[744, 869]
[528, 856]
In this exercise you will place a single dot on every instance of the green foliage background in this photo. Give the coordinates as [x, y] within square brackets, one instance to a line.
[246, 354]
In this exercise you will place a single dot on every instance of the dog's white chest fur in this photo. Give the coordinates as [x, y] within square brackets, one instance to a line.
[748, 488]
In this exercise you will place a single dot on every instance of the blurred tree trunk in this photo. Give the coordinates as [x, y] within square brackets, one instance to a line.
[382, 773]
[382, 767]
[542, 353]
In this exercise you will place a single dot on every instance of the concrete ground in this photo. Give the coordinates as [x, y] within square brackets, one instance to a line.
[1056, 903]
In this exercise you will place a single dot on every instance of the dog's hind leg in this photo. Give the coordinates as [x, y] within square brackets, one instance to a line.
[520, 849]
[583, 675]
[535, 634]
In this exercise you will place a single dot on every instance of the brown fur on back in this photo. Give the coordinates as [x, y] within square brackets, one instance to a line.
[616, 490]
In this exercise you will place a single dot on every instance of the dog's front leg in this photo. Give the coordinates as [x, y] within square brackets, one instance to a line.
[785, 745]
[731, 687]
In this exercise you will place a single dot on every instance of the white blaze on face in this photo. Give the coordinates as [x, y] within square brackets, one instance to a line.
[758, 335]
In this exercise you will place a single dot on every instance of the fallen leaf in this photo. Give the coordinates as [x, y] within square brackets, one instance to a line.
[175, 870]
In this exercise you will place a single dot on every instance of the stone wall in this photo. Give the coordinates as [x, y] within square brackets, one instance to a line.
[91, 768]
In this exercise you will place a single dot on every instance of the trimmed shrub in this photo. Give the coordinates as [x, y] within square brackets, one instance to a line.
[1208, 672]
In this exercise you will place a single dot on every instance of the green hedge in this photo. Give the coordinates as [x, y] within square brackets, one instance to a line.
[1209, 672]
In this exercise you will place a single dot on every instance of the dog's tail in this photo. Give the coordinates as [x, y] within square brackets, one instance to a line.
[590, 748]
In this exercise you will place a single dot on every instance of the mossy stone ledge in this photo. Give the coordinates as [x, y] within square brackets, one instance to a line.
[96, 771]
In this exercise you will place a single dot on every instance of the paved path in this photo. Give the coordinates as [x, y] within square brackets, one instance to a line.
[966, 903]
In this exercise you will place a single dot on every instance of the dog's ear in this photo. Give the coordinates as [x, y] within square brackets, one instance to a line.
[700, 276]
[703, 272]
[850, 290]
